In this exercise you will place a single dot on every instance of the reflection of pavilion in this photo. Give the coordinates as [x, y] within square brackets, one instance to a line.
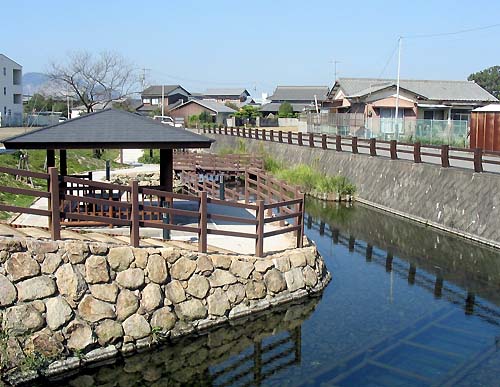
[245, 353]
[438, 348]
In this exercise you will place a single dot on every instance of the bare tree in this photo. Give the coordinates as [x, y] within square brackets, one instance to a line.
[95, 79]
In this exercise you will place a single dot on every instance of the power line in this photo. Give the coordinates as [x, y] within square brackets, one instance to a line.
[418, 36]
[389, 59]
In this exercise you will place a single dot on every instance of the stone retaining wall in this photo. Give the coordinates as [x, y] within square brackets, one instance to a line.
[453, 199]
[67, 300]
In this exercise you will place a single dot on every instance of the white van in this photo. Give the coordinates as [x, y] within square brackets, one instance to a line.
[167, 120]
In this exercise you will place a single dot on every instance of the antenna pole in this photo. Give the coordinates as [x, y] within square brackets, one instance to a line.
[162, 100]
[397, 84]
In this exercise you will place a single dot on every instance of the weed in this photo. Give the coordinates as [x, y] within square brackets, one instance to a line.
[34, 361]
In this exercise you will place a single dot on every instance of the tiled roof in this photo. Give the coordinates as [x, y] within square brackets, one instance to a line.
[236, 92]
[209, 104]
[155, 91]
[110, 129]
[429, 89]
[274, 107]
[299, 93]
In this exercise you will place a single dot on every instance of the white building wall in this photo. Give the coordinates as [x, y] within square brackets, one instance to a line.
[11, 92]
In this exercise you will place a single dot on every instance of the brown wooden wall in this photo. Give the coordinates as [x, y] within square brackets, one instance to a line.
[485, 130]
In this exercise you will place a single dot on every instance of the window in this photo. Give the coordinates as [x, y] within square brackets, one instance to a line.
[18, 99]
[17, 77]
[146, 100]
[5, 110]
[5, 71]
[155, 101]
[4, 91]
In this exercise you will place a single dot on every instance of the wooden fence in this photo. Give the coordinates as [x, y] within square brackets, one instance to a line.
[476, 157]
[234, 163]
[83, 202]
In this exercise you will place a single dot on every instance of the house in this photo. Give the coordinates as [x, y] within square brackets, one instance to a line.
[218, 111]
[300, 97]
[237, 96]
[11, 92]
[129, 104]
[418, 99]
[173, 95]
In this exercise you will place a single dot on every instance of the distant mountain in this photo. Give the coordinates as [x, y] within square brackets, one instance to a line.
[34, 82]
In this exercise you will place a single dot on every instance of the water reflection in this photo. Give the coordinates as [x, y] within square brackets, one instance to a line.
[245, 353]
[407, 305]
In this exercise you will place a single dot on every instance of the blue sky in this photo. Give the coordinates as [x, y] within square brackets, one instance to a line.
[257, 44]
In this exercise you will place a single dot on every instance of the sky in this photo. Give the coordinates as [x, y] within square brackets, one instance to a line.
[258, 44]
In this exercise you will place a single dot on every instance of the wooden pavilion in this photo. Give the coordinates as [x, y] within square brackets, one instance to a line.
[111, 129]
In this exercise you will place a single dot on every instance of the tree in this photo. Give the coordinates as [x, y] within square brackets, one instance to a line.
[95, 78]
[248, 112]
[40, 103]
[489, 79]
[205, 117]
[286, 110]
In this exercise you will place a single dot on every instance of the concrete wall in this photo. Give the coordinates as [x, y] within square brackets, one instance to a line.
[58, 299]
[456, 200]
[11, 114]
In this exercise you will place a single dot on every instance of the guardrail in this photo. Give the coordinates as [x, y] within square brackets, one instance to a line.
[373, 146]
[90, 203]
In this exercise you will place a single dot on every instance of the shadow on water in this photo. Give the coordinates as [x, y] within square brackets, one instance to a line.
[408, 306]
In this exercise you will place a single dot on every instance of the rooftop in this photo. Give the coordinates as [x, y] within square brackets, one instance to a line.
[300, 93]
[440, 90]
[156, 90]
[109, 129]
[211, 105]
[236, 92]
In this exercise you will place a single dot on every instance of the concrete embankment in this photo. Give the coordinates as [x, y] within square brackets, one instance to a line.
[453, 199]
[64, 304]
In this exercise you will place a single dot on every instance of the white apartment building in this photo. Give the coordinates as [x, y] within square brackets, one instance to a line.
[11, 92]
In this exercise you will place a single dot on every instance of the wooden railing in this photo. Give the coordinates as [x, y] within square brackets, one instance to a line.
[82, 202]
[186, 161]
[477, 158]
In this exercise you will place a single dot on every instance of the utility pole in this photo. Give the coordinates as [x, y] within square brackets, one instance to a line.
[162, 100]
[397, 84]
[335, 69]
[143, 77]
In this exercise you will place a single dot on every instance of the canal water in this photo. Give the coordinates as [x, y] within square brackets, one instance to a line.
[407, 306]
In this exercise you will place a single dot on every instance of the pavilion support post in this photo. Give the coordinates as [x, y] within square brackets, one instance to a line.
[63, 168]
[167, 169]
[51, 162]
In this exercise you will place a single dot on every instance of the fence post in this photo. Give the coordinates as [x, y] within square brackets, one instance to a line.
[232, 131]
[202, 230]
[373, 147]
[354, 144]
[324, 144]
[289, 137]
[445, 156]
[393, 150]
[247, 193]
[280, 135]
[299, 138]
[204, 129]
[54, 205]
[478, 160]
[300, 221]
[259, 243]
[134, 215]
[244, 131]
[417, 156]
[264, 134]
[225, 129]
[271, 135]
[311, 140]
[338, 143]
[238, 131]
[256, 133]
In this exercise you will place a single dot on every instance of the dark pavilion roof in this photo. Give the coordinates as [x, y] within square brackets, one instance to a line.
[109, 129]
